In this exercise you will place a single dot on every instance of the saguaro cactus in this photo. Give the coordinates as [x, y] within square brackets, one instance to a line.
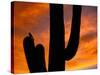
[34, 55]
[57, 45]
[57, 53]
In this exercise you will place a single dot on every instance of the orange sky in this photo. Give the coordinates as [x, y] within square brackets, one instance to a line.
[34, 18]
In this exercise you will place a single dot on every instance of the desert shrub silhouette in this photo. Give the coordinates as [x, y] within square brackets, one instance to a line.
[58, 53]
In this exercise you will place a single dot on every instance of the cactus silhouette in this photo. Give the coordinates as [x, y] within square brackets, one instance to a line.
[34, 55]
[58, 53]
[72, 46]
[57, 45]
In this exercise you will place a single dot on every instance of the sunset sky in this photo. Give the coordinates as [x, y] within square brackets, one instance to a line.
[35, 18]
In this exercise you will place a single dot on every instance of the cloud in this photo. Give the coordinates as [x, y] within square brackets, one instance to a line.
[34, 18]
[88, 36]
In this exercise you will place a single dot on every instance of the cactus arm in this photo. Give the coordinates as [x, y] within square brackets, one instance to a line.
[32, 53]
[29, 48]
[41, 58]
[72, 46]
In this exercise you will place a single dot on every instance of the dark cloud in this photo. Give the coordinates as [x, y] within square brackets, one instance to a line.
[88, 36]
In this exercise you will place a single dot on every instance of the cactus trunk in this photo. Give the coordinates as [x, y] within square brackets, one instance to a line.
[56, 49]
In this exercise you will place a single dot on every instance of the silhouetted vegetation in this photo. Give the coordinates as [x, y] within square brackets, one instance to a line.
[72, 46]
[34, 55]
[57, 45]
[58, 54]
